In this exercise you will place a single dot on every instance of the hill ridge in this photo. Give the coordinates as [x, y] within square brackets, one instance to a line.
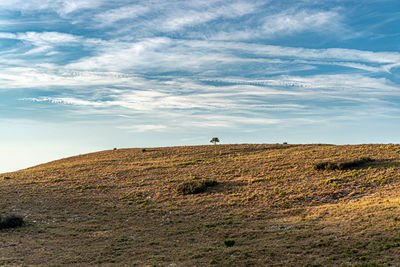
[122, 207]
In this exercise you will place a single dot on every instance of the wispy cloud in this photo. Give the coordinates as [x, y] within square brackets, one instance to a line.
[144, 128]
[303, 20]
[67, 101]
[165, 54]
[62, 7]
[112, 16]
[205, 13]
[286, 23]
[48, 75]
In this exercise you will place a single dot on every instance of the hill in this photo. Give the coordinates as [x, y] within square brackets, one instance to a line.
[260, 205]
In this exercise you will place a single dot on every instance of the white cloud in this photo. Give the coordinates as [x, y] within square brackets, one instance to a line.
[7, 35]
[62, 7]
[342, 83]
[45, 38]
[182, 17]
[69, 6]
[68, 101]
[47, 75]
[43, 42]
[298, 21]
[109, 17]
[39, 50]
[165, 54]
[144, 128]
[119, 56]
[292, 21]
[299, 52]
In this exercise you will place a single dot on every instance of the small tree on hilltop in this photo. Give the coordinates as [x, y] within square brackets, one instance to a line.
[214, 140]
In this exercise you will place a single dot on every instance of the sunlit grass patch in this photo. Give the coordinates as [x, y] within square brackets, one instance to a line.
[334, 181]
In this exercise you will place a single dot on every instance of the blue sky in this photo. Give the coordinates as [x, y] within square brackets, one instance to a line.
[86, 75]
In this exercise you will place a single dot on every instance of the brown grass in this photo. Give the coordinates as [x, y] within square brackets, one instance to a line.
[121, 207]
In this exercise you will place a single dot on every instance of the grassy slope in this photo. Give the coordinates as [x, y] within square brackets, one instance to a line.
[121, 207]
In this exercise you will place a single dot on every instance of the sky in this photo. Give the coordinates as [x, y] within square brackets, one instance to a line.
[79, 76]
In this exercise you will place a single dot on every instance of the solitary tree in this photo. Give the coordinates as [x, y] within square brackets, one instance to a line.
[214, 140]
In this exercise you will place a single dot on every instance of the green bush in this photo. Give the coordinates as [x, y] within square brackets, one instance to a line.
[11, 221]
[344, 165]
[195, 186]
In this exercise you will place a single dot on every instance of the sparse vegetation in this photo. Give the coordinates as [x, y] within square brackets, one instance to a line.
[122, 208]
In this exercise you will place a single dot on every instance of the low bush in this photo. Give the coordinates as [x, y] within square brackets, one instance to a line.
[229, 242]
[344, 165]
[195, 186]
[11, 221]
[334, 181]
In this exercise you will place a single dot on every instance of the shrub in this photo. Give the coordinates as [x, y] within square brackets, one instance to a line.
[334, 181]
[344, 165]
[11, 221]
[229, 242]
[195, 187]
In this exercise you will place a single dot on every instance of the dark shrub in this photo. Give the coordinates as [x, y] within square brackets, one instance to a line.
[353, 164]
[229, 242]
[344, 165]
[11, 221]
[195, 187]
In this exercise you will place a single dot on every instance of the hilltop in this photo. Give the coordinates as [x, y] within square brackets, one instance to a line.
[260, 205]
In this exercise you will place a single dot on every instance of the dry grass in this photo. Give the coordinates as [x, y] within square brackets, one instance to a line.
[121, 207]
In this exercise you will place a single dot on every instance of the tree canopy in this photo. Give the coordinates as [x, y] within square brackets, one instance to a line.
[214, 140]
